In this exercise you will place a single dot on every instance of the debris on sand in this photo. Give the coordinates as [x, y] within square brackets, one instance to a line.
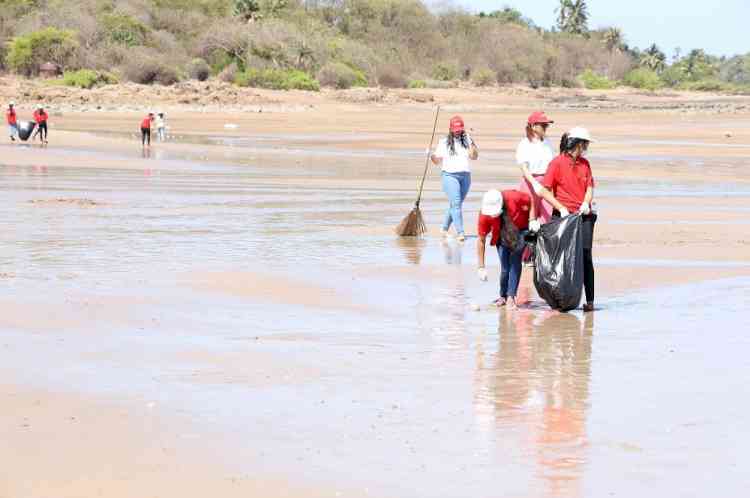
[75, 202]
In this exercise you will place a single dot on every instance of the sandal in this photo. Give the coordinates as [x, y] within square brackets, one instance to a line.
[500, 301]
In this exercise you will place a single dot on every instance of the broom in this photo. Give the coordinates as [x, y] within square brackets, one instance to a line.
[413, 224]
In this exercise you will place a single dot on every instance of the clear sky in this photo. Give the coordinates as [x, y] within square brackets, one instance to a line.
[720, 27]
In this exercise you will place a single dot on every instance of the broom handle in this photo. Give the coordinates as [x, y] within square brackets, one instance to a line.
[427, 160]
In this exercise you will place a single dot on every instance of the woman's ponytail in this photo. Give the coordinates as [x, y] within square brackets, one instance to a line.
[564, 143]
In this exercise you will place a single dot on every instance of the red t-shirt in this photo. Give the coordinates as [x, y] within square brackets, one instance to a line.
[146, 123]
[517, 205]
[40, 117]
[568, 180]
[10, 115]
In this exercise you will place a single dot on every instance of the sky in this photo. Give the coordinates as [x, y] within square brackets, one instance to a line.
[720, 27]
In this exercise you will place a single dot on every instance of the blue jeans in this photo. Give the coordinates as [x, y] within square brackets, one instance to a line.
[510, 270]
[456, 187]
[13, 130]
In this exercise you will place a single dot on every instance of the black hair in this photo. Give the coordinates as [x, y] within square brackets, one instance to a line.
[567, 144]
[463, 139]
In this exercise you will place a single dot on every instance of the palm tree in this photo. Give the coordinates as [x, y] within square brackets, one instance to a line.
[653, 58]
[573, 16]
[613, 39]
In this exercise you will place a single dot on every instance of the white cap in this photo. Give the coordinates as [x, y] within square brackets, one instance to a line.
[39, 106]
[580, 133]
[492, 203]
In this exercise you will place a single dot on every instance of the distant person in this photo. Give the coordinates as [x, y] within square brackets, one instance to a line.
[12, 119]
[508, 206]
[41, 117]
[161, 127]
[569, 187]
[453, 154]
[146, 129]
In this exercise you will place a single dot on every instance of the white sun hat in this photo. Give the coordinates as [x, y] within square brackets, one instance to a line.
[492, 203]
[580, 133]
[11, 104]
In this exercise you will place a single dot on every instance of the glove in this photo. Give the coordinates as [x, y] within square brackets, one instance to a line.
[585, 208]
[564, 212]
[482, 274]
[536, 186]
[534, 226]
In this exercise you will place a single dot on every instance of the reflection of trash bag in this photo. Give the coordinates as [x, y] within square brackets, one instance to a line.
[558, 276]
[25, 129]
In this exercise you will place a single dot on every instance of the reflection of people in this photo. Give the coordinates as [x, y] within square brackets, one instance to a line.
[569, 187]
[41, 117]
[537, 387]
[453, 154]
[12, 119]
[515, 208]
[146, 129]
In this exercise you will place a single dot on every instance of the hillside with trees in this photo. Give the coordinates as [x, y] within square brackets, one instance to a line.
[297, 44]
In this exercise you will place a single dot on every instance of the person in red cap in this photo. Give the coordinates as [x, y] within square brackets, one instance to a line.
[569, 187]
[453, 154]
[41, 117]
[533, 154]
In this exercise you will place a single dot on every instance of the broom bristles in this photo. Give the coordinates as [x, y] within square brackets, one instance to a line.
[412, 225]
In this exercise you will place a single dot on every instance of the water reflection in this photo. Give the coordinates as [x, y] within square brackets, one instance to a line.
[412, 248]
[535, 386]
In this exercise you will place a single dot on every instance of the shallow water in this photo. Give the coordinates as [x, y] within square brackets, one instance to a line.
[391, 383]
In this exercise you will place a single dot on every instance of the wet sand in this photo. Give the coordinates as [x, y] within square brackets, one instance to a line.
[231, 313]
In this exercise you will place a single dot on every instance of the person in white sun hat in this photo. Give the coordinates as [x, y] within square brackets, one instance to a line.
[569, 186]
[514, 208]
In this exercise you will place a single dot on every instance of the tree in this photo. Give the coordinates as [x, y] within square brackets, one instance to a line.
[613, 39]
[653, 59]
[573, 17]
[509, 15]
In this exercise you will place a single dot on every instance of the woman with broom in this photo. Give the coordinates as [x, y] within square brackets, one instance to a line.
[453, 154]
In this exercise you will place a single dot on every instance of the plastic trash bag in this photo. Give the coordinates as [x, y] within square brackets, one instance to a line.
[558, 275]
[25, 129]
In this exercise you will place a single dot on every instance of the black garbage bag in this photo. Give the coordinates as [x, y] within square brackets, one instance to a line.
[25, 129]
[558, 275]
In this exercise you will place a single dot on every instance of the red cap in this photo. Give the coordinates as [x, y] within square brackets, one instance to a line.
[539, 118]
[457, 124]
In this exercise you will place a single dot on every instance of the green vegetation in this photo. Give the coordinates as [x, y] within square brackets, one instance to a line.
[27, 52]
[643, 78]
[593, 81]
[86, 78]
[277, 79]
[124, 29]
[342, 43]
[340, 75]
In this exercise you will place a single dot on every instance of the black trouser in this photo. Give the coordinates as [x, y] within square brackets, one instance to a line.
[587, 233]
[41, 130]
[146, 136]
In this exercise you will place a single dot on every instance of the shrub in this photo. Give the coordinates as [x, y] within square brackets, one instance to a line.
[484, 77]
[444, 72]
[593, 81]
[417, 84]
[27, 52]
[391, 76]
[643, 78]
[198, 69]
[339, 75]
[87, 78]
[277, 79]
[229, 73]
[148, 70]
[708, 85]
[124, 29]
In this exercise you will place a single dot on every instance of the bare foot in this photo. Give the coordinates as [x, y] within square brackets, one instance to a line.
[512, 303]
